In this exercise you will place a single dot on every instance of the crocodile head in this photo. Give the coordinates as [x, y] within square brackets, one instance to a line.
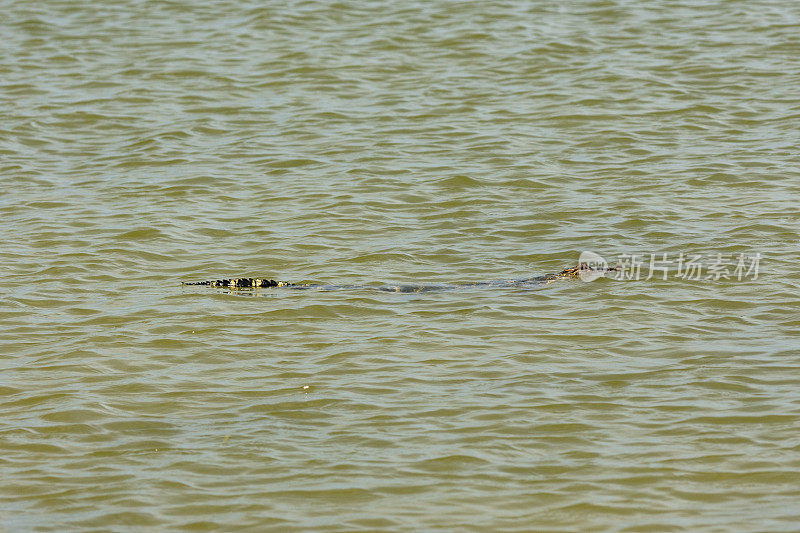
[585, 272]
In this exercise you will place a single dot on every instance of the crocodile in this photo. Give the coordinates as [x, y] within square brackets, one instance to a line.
[581, 270]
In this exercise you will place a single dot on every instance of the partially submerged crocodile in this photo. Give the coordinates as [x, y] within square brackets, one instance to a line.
[582, 270]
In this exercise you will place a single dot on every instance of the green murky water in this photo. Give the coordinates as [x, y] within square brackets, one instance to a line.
[143, 143]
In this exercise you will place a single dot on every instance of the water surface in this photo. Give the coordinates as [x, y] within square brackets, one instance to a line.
[144, 143]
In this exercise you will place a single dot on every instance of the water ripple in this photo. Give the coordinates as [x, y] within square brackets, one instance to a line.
[359, 143]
